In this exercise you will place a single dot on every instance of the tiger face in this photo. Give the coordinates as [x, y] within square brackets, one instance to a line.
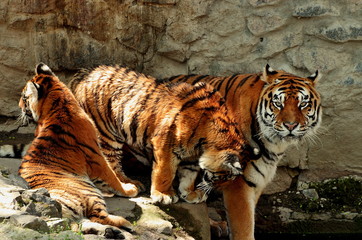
[28, 103]
[289, 107]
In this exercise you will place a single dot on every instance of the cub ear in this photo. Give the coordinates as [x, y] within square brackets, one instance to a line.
[268, 71]
[232, 164]
[315, 77]
[42, 68]
[251, 151]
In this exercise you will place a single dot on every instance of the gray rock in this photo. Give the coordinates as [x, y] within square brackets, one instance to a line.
[121, 206]
[152, 219]
[7, 213]
[321, 216]
[311, 194]
[300, 216]
[11, 232]
[58, 224]
[349, 215]
[284, 214]
[342, 31]
[38, 202]
[314, 10]
[29, 221]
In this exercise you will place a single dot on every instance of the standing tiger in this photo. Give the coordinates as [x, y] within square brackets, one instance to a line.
[65, 156]
[171, 126]
[274, 108]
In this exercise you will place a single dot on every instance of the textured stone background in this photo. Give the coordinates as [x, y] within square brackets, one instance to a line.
[168, 37]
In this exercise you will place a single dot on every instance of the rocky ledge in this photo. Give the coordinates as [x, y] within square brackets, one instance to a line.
[331, 207]
[32, 214]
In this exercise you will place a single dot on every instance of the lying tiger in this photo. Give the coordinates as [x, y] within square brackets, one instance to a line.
[174, 127]
[274, 108]
[65, 156]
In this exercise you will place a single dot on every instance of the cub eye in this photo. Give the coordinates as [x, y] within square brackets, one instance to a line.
[303, 104]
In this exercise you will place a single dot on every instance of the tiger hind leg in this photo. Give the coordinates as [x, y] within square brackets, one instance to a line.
[97, 212]
[113, 155]
[81, 199]
[103, 174]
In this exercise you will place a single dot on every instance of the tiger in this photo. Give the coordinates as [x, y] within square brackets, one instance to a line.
[275, 109]
[65, 156]
[177, 128]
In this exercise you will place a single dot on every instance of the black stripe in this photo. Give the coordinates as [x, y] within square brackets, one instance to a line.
[193, 91]
[230, 83]
[249, 183]
[257, 169]
[193, 101]
[219, 85]
[69, 207]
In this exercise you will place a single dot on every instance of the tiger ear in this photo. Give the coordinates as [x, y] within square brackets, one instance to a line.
[268, 71]
[315, 77]
[42, 68]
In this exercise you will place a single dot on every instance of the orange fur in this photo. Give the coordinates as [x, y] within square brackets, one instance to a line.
[65, 156]
[168, 126]
[274, 110]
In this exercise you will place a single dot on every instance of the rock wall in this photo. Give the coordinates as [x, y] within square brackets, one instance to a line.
[168, 37]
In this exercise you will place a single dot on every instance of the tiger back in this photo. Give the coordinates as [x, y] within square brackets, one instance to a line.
[65, 156]
[168, 126]
[274, 109]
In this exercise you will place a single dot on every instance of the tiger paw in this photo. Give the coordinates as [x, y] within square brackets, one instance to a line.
[164, 198]
[130, 190]
[196, 196]
[107, 231]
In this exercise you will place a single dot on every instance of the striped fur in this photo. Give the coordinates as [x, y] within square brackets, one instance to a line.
[169, 126]
[275, 109]
[65, 156]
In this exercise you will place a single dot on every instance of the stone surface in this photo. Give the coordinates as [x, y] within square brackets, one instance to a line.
[310, 194]
[29, 221]
[38, 202]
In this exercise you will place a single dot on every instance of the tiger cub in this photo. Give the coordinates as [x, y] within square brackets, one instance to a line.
[171, 126]
[65, 156]
[276, 109]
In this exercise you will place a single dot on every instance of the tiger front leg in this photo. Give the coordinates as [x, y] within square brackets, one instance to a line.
[187, 176]
[163, 174]
[239, 201]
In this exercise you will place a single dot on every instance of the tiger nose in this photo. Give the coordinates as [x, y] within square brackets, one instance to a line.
[290, 125]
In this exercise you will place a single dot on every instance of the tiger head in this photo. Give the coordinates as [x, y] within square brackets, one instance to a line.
[289, 107]
[32, 93]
